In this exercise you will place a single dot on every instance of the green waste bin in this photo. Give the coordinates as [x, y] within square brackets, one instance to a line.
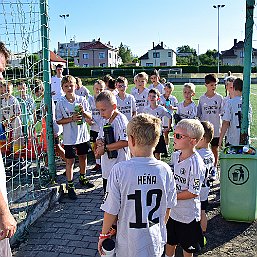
[238, 185]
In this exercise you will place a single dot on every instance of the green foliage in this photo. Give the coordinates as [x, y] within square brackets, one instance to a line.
[125, 53]
[186, 49]
[209, 58]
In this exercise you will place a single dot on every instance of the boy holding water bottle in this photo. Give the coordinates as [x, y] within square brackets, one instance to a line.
[71, 113]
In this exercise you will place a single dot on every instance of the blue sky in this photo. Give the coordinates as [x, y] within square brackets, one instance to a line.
[138, 23]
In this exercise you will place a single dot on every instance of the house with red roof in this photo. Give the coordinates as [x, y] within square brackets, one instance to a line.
[97, 54]
[235, 55]
[55, 60]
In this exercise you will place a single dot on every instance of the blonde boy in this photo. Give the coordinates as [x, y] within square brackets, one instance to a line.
[117, 122]
[187, 109]
[141, 94]
[75, 137]
[183, 226]
[155, 77]
[141, 182]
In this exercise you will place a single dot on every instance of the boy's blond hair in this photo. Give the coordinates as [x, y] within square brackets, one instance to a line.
[191, 86]
[107, 96]
[145, 129]
[142, 75]
[68, 79]
[193, 128]
[169, 85]
[100, 82]
[123, 80]
[208, 131]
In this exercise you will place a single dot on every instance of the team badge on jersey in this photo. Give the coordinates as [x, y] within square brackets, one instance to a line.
[196, 185]
[182, 171]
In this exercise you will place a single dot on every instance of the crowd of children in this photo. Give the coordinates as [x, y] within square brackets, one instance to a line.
[149, 203]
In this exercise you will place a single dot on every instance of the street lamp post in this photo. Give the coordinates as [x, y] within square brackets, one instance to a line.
[218, 8]
[64, 16]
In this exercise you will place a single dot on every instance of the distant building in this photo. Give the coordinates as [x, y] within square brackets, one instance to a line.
[97, 54]
[159, 56]
[55, 60]
[70, 48]
[235, 55]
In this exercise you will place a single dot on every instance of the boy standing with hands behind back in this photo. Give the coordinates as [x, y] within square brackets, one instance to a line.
[75, 136]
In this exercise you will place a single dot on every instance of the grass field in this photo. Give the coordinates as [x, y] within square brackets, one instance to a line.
[200, 90]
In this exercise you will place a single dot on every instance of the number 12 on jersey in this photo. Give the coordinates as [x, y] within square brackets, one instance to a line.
[138, 207]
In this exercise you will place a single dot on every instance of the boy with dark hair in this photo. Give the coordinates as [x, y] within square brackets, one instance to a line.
[140, 193]
[232, 116]
[56, 88]
[75, 136]
[183, 226]
[155, 77]
[210, 107]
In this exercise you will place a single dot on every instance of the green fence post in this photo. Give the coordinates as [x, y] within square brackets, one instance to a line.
[47, 86]
[244, 137]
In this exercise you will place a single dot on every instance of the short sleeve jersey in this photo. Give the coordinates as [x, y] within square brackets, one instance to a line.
[139, 191]
[95, 114]
[82, 91]
[73, 133]
[171, 101]
[187, 112]
[159, 87]
[141, 99]
[28, 106]
[57, 88]
[211, 109]
[189, 175]
[208, 160]
[158, 112]
[119, 125]
[10, 107]
[127, 106]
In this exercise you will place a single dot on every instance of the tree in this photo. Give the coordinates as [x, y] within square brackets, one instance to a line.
[209, 58]
[125, 53]
[186, 49]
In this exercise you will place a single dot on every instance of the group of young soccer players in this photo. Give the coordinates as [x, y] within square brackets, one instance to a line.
[148, 204]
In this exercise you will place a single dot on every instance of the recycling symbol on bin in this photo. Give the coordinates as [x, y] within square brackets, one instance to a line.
[238, 174]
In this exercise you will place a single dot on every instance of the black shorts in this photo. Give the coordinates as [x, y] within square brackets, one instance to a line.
[82, 149]
[161, 146]
[188, 236]
[93, 136]
[204, 205]
[215, 141]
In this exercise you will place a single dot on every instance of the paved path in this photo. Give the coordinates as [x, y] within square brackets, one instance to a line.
[71, 228]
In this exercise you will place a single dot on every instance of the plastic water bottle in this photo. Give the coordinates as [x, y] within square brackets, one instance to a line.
[248, 150]
[109, 139]
[167, 104]
[108, 247]
[78, 110]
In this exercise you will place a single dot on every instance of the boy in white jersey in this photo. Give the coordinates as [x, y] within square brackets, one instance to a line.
[113, 123]
[232, 115]
[158, 111]
[75, 136]
[154, 77]
[186, 109]
[56, 88]
[80, 89]
[135, 88]
[98, 87]
[203, 148]
[183, 226]
[170, 102]
[11, 116]
[126, 103]
[140, 193]
[141, 94]
[210, 108]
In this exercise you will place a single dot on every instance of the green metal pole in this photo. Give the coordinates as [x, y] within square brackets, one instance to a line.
[244, 137]
[47, 86]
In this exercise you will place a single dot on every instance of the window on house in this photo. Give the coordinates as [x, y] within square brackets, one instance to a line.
[101, 55]
[85, 56]
[149, 64]
[156, 55]
[102, 64]
[85, 65]
[169, 54]
[242, 54]
[110, 55]
[163, 64]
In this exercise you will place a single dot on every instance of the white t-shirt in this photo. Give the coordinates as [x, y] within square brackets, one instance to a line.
[127, 106]
[119, 125]
[56, 87]
[158, 112]
[141, 99]
[73, 134]
[159, 87]
[189, 175]
[208, 159]
[187, 112]
[82, 91]
[211, 109]
[95, 114]
[139, 191]
[172, 101]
